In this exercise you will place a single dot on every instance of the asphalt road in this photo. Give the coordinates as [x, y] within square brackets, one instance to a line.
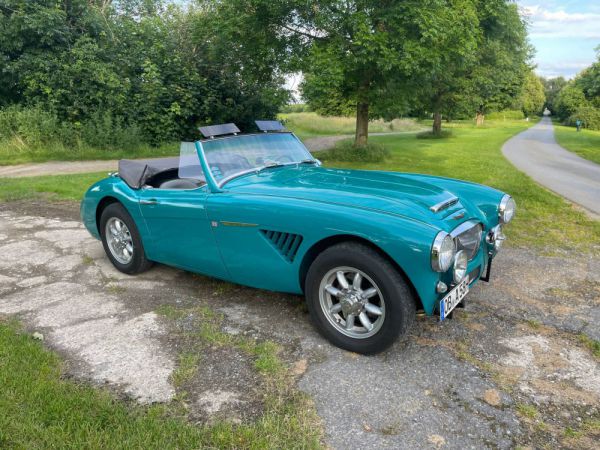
[536, 153]
[453, 385]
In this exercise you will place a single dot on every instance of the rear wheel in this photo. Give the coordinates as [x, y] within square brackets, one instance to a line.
[121, 240]
[357, 299]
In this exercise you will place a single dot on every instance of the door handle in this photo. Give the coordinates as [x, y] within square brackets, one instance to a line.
[151, 201]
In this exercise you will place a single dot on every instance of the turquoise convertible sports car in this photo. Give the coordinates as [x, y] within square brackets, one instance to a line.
[367, 248]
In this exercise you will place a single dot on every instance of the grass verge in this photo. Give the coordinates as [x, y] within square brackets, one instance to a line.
[346, 151]
[52, 187]
[41, 409]
[16, 152]
[585, 143]
[543, 221]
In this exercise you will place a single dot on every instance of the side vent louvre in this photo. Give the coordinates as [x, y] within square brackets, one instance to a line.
[286, 243]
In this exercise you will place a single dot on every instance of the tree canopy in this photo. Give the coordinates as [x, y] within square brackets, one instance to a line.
[579, 98]
[164, 67]
[156, 66]
[436, 57]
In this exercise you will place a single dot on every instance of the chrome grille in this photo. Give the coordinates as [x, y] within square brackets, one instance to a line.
[468, 237]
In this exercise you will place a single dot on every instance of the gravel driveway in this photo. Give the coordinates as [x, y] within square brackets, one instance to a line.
[459, 384]
[536, 153]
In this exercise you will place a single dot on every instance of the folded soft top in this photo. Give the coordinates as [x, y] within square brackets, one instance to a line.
[137, 172]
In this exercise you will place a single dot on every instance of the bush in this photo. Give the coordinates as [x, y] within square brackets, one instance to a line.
[345, 151]
[103, 130]
[31, 126]
[507, 114]
[431, 135]
[589, 115]
[34, 127]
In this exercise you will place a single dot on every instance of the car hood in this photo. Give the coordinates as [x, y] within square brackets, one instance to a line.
[408, 195]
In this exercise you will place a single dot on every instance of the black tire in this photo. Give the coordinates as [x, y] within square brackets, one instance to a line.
[400, 310]
[139, 263]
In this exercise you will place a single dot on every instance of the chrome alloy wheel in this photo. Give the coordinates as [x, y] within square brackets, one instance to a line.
[119, 240]
[352, 302]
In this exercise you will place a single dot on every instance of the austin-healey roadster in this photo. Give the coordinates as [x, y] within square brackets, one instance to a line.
[368, 249]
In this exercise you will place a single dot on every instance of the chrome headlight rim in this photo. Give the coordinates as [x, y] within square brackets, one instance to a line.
[440, 260]
[506, 209]
[461, 262]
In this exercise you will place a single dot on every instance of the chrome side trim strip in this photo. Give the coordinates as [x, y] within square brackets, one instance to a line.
[238, 224]
[444, 204]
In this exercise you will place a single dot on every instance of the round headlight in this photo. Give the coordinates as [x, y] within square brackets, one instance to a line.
[506, 209]
[442, 252]
[460, 266]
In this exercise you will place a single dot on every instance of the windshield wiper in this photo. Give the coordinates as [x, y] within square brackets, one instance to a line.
[270, 166]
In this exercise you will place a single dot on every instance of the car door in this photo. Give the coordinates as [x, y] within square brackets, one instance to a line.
[258, 240]
[180, 230]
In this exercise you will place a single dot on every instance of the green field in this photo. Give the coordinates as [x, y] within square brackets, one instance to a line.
[16, 152]
[544, 220]
[585, 143]
[58, 187]
[307, 125]
[471, 153]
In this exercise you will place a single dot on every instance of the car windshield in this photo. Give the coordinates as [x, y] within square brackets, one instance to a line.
[232, 156]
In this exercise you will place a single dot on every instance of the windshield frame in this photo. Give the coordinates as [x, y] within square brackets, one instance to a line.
[217, 186]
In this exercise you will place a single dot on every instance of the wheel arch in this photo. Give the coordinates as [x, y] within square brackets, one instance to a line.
[102, 204]
[318, 247]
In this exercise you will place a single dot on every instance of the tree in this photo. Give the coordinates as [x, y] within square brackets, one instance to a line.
[374, 47]
[439, 85]
[503, 57]
[588, 81]
[568, 100]
[145, 64]
[552, 87]
[532, 98]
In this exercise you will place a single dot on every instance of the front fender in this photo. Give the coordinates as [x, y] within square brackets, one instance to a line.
[110, 188]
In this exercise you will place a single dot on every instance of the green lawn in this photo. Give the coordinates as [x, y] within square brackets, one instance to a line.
[307, 125]
[543, 221]
[15, 152]
[41, 409]
[585, 143]
[60, 187]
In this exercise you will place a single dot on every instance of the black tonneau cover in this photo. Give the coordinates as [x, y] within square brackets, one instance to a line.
[136, 172]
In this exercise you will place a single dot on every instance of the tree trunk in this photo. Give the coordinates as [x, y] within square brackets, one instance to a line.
[479, 118]
[362, 115]
[362, 124]
[437, 123]
[480, 115]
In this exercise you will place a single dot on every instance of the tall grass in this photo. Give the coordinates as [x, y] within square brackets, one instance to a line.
[309, 124]
[33, 134]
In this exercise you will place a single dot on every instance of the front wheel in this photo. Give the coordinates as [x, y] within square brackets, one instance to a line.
[357, 298]
[121, 240]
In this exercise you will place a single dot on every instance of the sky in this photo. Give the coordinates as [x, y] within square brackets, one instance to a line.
[564, 34]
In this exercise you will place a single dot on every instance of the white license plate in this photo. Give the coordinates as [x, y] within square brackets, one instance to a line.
[454, 297]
